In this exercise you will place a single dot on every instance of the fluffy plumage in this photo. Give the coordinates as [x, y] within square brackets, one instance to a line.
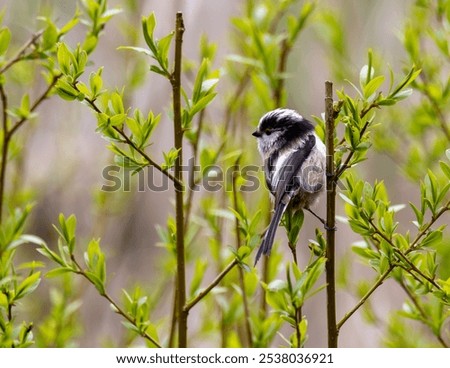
[294, 165]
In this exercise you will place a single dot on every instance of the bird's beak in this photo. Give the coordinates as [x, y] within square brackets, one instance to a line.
[256, 134]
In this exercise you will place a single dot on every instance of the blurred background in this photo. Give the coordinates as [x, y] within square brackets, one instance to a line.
[63, 158]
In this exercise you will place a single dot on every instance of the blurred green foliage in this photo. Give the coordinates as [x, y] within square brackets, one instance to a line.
[240, 305]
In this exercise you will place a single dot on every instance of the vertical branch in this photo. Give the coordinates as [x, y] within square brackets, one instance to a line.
[289, 219]
[5, 144]
[248, 331]
[175, 80]
[331, 221]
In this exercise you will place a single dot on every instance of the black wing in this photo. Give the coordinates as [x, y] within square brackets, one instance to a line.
[269, 169]
[291, 167]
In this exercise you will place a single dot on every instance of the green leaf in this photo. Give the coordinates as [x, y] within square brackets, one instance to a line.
[116, 103]
[346, 199]
[243, 252]
[95, 260]
[201, 75]
[409, 78]
[370, 88]
[94, 279]
[50, 36]
[432, 187]
[26, 239]
[46, 252]
[209, 84]
[96, 83]
[58, 272]
[28, 285]
[365, 75]
[5, 39]
[64, 57]
[387, 102]
[117, 120]
[66, 91]
[201, 104]
[69, 25]
[170, 158]
[445, 168]
[296, 23]
[137, 49]
[276, 285]
[313, 273]
[156, 69]
[163, 49]
[432, 238]
[419, 214]
[244, 60]
[364, 251]
[148, 27]
[90, 43]
[402, 94]
[199, 273]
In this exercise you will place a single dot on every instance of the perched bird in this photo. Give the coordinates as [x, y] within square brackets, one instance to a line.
[294, 165]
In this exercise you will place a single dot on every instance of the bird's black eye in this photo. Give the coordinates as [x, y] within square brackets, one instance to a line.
[268, 131]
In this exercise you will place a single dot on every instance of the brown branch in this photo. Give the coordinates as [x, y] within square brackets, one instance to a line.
[173, 318]
[128, 141]
[5, 146]
[422, 233]
[117, 309]
[346, 165]
[175, 80]
[391, 267]
[402, 256]
[421, 311]
[36, 104]
[8, 133]
[248, 330]
[189, 305]
[331, 177]
[21, 53]
[441, 117]
[365, 297]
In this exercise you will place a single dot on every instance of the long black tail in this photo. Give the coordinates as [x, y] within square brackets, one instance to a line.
[266, 245]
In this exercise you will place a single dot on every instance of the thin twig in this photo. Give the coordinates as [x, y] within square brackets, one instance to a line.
[403, 256]
[441, 117]
[130, 142]
[189, 305]
[422, 312]
[427, 227]
[36, 103]
[278, 93]
[293, 247]
[346, 165]
[8, 133]
[21, 53]
[117, 309]
[248, 330]
[365, 297]
[391, 267]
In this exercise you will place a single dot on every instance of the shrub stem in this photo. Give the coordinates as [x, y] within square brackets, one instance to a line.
[175, 81]
[331, 221]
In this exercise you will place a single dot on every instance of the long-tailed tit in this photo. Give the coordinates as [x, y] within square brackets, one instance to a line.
[294, 165]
